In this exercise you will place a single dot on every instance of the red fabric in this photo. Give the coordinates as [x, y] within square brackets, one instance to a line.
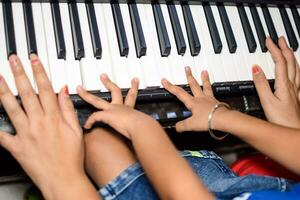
[261, 165]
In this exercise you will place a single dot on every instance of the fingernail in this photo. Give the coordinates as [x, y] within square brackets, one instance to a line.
[187, 69]
[13, 60]
[255, 69]
[136, 80]
[66, 90]
[34, 59]
[1, 78]
[165, 81]
[205, 72]
[104, 76]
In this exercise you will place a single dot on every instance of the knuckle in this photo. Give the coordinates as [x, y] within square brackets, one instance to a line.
[26, 92]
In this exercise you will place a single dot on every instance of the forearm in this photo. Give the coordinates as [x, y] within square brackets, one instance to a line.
[77, 188]
[279, 143]
[164, 166]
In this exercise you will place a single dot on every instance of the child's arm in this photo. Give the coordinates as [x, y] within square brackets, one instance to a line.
[48, 143]
[280, 143]
[169, 173]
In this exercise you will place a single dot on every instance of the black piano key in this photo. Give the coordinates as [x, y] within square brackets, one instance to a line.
[120, 30]
[96, 41]
[9, 29]
[288, 28]
[296, 17]
[58, 31]
[138, 33]
[164, 41]
[270, 24]
[247, 29]
[193, 37]
[259, 28]
[76, 31]
[178, 34]
[231, 42]
[213, 30]
[29, 27]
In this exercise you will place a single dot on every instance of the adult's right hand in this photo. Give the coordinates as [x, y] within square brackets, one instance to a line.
[281, 106]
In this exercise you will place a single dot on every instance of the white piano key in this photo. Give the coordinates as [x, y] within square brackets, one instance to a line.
[228, 61]
[56, 66]
[187, 58]
[5, 70]
[40, 36]
[133, 66]
[162, 62]
[72, 66]
[214, 62]
[20, 35]
[121, 75]
[148, 62]
[278, 23]
[104, 64]
[242, 55]
[89, 70]
[297, 53]
[175, 60]
[268, 54]
[261, 58]
[202, 61]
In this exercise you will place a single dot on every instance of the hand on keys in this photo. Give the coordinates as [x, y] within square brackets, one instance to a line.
[281, 106]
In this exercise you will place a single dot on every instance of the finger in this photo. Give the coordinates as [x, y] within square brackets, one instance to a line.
[96, 117]
[7, 141]
[195, 87]
[29, 99]
[116, 93]
[67, 108]
[180, 93]
[289, 56]
[11, 106]
[297, 76]
[184, 125]
[46, 94]
[262, 85]
[281, 74]
[207, 89]
[132, 93]
[92, 99]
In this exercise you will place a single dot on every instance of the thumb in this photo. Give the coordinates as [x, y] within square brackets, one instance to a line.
[184, 125]
[261, 84]
[7, 141]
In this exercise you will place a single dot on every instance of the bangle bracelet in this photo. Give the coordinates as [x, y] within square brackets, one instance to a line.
[210, 116]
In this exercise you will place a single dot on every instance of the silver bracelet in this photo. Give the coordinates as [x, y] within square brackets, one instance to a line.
[210, 116]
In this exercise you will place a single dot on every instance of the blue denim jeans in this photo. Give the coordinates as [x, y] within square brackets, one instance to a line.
[210, 168]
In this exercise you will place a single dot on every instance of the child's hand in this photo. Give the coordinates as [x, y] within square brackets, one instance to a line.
[49, 142]
[118, 114]
[281, 107]
[201, 103]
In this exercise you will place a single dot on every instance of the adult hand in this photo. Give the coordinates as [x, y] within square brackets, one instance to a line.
[201, 103]
[119, 114]
[48, 142]
[281, 107]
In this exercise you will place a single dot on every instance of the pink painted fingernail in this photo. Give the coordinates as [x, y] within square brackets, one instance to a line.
[255, 69]
[66, 90]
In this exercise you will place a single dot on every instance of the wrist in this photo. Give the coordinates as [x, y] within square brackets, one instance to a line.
[62, 185]
[220, 118]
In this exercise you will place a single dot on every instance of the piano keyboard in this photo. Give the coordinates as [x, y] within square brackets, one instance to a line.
[77, 41]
